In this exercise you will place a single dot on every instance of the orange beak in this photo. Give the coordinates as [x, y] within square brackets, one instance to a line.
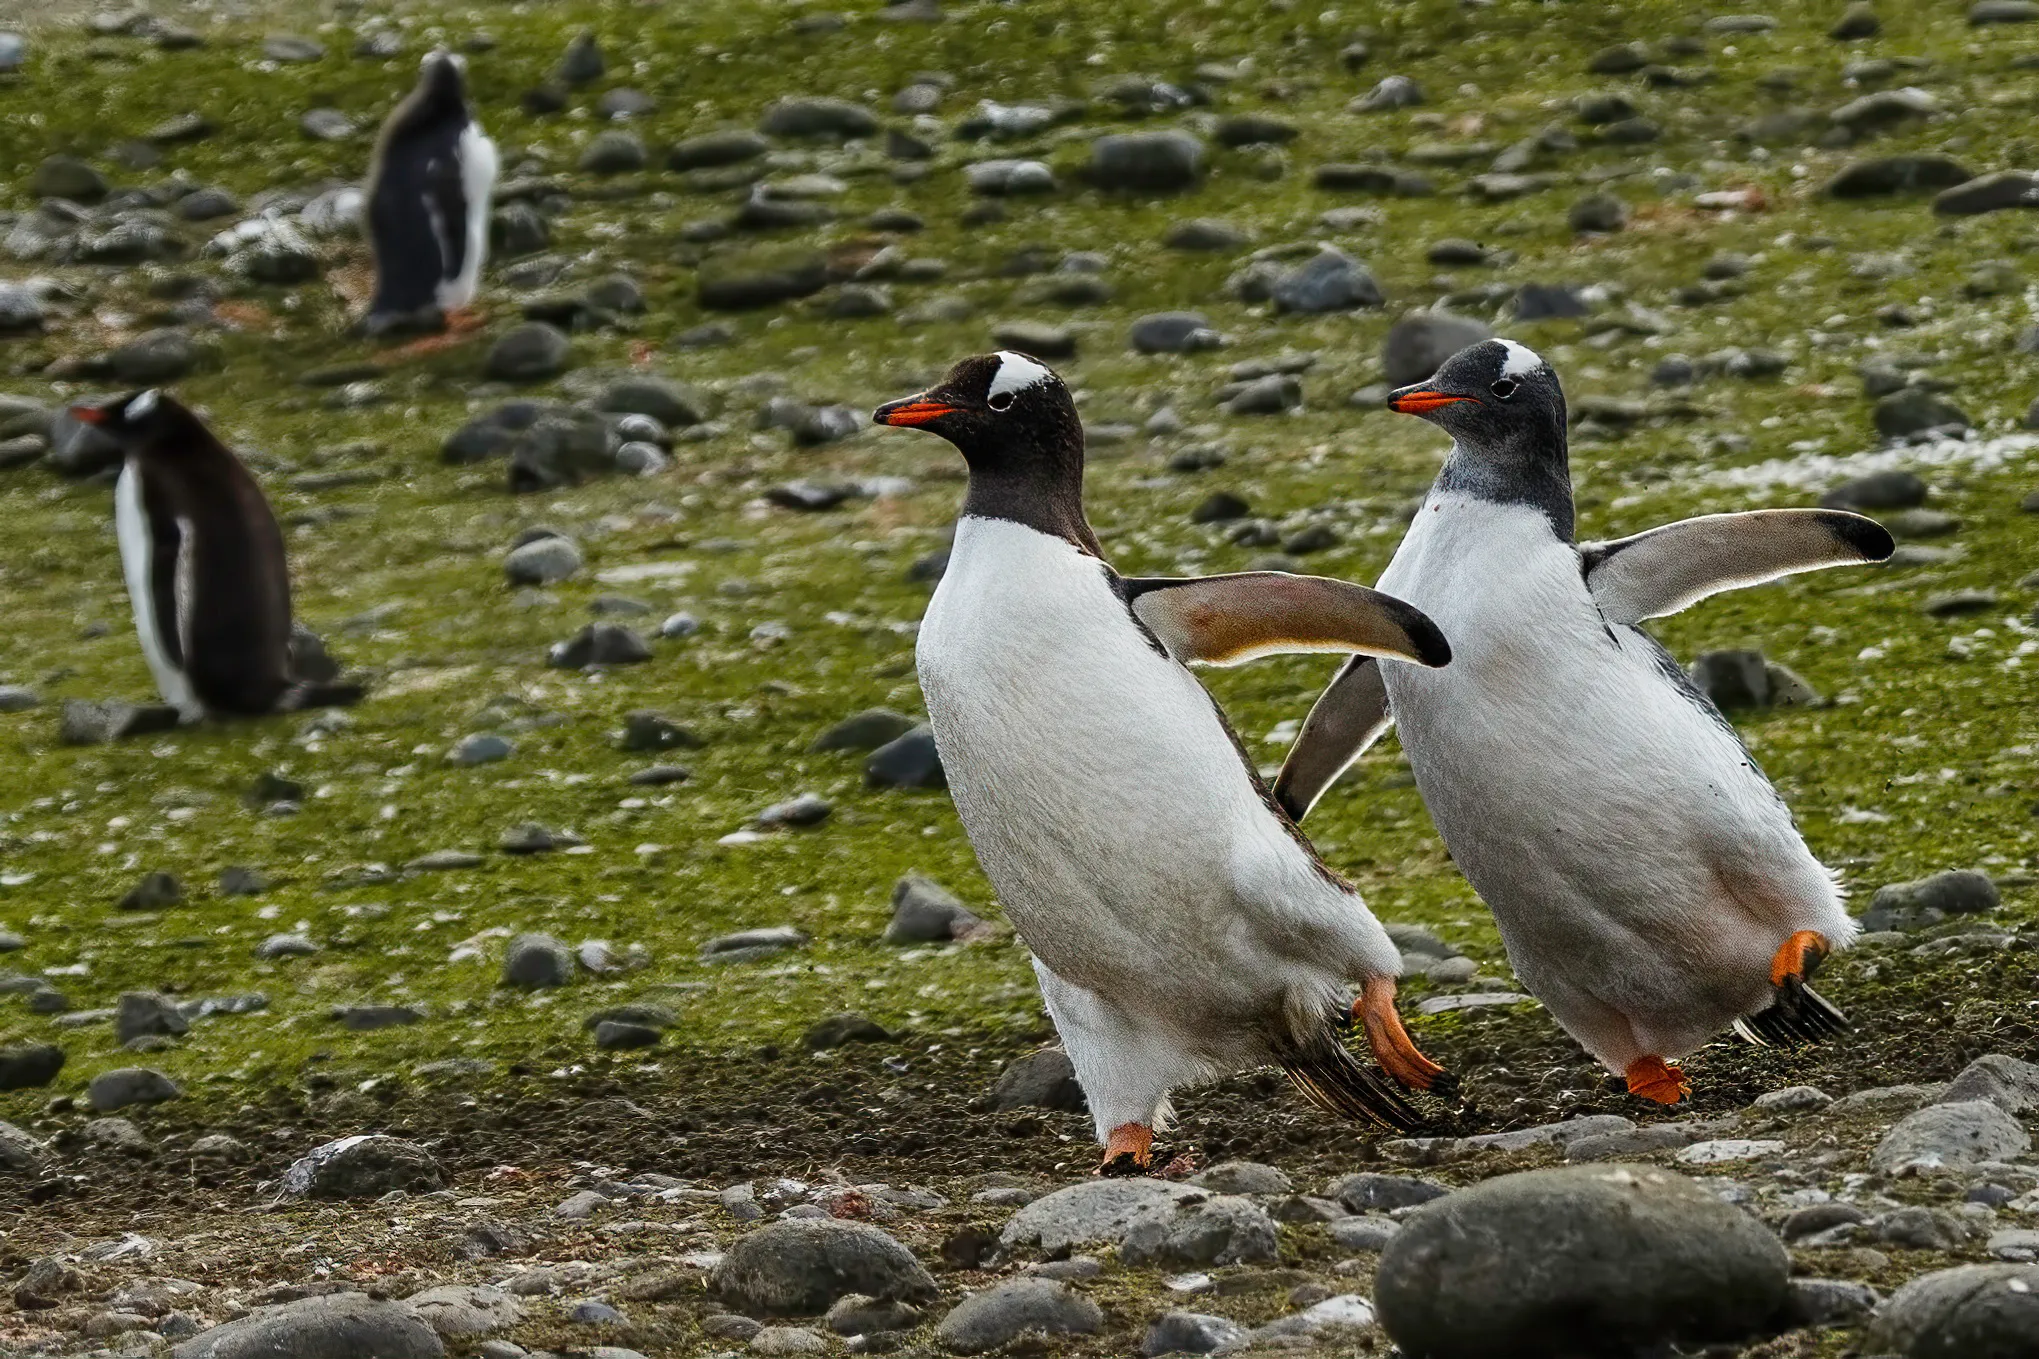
[912, 410]
[1416, 403]
[90, 415]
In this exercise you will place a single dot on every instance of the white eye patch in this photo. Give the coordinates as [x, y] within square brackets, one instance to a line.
[1521, 360]
[142, 404]
[1016, 373]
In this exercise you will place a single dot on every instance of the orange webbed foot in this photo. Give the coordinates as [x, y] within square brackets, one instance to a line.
[1653, 1078]
[1798, 957]
[1128, 1150]
[1392, 1047]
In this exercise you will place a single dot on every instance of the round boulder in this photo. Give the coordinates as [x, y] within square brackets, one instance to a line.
[1971, 1312]
[365, 1166]
[800, 1266]
[1578, 1261]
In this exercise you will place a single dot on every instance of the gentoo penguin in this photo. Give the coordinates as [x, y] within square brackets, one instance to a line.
[1182, 928]
[428, 203]
[1648, 882]
[205, 566]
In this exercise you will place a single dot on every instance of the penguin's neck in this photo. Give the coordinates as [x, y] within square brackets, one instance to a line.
[1517, 475]
[1047, 498]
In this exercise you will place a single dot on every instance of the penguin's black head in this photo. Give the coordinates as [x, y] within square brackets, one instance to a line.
[1006, 414]
[143, 420]
[1493, 397]
[442, 80]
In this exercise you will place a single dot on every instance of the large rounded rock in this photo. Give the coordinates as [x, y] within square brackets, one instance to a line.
[1973, 1312]
[1582, 1260]
[800, 1266]
[1090, 1212]
[335, 1326]
[1417, 346]
[1146, 162]
[531, 353]
[366, 1166]
[1001, 1314]
[1952, 1135]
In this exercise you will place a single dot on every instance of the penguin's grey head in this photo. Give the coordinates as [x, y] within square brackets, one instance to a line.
[1005, 412]
[141, 420]
[1495, 397]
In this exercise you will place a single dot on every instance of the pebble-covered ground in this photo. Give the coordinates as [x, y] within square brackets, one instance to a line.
[628, 905]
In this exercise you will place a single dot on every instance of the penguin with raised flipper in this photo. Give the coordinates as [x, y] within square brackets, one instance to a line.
[1182, 928]
[428, 195]
[205, 567]
[1648, 881]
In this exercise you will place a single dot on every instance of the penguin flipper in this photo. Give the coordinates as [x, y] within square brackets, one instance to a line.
[1330, 1077]
[1674, 566]
[1799, 1016]
[1348, 717]
[1224, 620]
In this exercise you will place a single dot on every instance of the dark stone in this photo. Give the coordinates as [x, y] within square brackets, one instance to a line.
[867, 730]
[1146, 162]
[909, 761]
[1989, 193]
[1732, 679]
[1000, 1314]
[1039, 1080]
[1220, 507]
[753, 282]
[645, 730]
[1418, 344]
[1332, 281]
[582, 63]
[1898, 174]
[1173, 332]
[802, 117]
[801, 1266]
[363, 1167]
[532, 352]
[1548, 301]
[329, 1326]
[1916, 410]
[712, 150]
[154, 892]
[1969, 1312]
[69, 178]
[29, 1066]
[1892, 490]
[1600, 1259]
[1373, 1193]
[1931, 899]
[840, 1030]
[154, 359]
[923, 911]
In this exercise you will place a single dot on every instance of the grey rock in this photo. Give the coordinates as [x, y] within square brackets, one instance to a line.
[617, 1036]
[1732, 679]
[1892, 490]
[1970, 1312]
[745, 944]
[1332, 281]
[1418, 344]
[801, 1266]
[840, 1030]
[1206, 234]
[466, 1311]
[1989, 193]
[480, 748]
[1556, 1262]
[154, 358]
[2005, 1081]
[1395, 92]
[712, 150]
[749, 282]
[923, 911]
[805, 117]
[142, 1013]
[1373, 1193]
[1931, 899]
[1830, 1302]
[13, 53]
[20, 1154]
[531, 352]
[673, 404]
[1146, 162]
[582, 63]
[614, 152]
[1365, 1233]
[1173, 332]
[537, 960]
[1916, 410]
[69, 178]
[1004, 1312]
[28, 1066]
[866, 730]
[364, 1166]
[599, 644]
[645, 730]
[1885, 175]
[808, 809]
[368, 1018]
[1243, 1177]
[543, 561]
[1598, 212]
[1269, 395]
[1095, 1211]
[129, 1085]
[1920, 1228]
[1984, 12]
[330, 1326]
[1039, 1080]
[1008, 178]
[1951, 1136]
[1224, 1230]
[154, 892]
[911, 761]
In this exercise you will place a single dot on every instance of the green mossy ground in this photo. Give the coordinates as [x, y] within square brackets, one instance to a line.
[1940, 746]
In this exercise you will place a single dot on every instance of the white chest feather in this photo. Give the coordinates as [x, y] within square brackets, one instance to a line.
[1104, 797]
[478, 165]
[138, 565]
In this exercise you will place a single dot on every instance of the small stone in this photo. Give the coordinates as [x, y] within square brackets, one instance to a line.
[532, 352]
[808, 809]
[537, 960]
[616, 1036]
[543, 561]
[142, 1013]
[614, 153]
[1929, 900]
[599, 644]
[745, 945]
[582, 63]
[1173, 332]
[866, 730]
[1951, 1136]
[1732, 680]
[1146, 162]
[29, 1066]
[1599, 212]
[364, 1166]
[1969, 1312]
[1395, 92]
[1332, 281]
[910, 761]
[839, 1030]
[809, 118]
[129, 1085]
[154, 892]
[67, 177]
[644, 730]
[291, 49]
[925, 912]
[802, 1266]
[1893, 490]
[1375, 1193]
[481, 748]
[326, 125]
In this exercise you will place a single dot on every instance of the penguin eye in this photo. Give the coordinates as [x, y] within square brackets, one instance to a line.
[1504, 389]
[1000, 401]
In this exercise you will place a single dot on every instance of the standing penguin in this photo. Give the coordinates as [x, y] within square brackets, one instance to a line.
[1648, 881]
[428, 203]
[205, 566]
[1182, 928]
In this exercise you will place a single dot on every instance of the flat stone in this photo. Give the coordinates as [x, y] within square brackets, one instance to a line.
[1947, 1136]
[364, 1166]
[331, 1326]
[1092, 1212]
[1002, 1313]
[129, 1085]
[801, 1266]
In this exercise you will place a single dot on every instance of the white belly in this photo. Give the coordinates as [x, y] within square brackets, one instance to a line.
[1105, 799]
[137, 557]
[477, 182]
[1632, 855]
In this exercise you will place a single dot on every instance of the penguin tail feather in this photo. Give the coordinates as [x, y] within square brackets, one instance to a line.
[321, 694]
[1330, 1077]
[1798, 1017]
